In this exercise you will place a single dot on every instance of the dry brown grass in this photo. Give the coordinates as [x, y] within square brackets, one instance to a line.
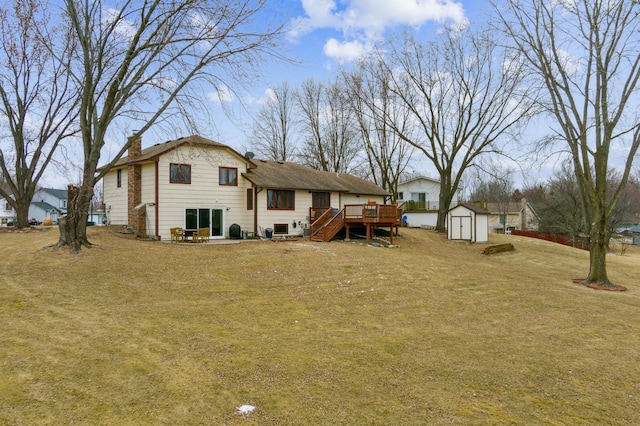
[432, 332]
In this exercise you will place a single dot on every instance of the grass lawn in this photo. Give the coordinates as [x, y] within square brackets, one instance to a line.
[431, 332]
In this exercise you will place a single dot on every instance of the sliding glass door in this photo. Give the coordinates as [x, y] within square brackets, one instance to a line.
[205, 218]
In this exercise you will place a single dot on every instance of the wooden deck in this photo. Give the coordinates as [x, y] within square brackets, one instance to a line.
[326, 223]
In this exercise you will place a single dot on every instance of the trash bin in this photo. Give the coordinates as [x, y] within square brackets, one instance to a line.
[268, 232]
[244, 235]
[234, 232]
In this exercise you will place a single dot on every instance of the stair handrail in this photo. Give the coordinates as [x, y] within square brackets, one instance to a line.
[317, 224]
[334, 225]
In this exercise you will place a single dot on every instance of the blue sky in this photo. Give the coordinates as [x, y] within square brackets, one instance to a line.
[327, 34]
[323, 35]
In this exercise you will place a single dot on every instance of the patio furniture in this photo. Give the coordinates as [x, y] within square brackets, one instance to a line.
[177, 235]
[201, 235]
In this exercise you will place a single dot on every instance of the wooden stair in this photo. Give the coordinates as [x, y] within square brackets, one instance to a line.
[326, 226]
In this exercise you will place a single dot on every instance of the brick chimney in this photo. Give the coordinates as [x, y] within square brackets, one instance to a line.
[134, 185]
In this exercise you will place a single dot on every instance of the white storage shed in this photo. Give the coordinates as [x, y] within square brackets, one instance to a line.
[467, 222]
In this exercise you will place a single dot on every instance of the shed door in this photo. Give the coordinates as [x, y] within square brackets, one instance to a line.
[461, 228]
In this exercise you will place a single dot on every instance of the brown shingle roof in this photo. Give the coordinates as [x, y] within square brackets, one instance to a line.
[271, 174]
[499, 208]
[287, 175]
[149, 154]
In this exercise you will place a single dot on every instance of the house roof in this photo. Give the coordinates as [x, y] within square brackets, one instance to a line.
[45, 206]
[417, 178]
[499, 208]
[58, 193]
[287, 175]
[472, 207]
[153, 152]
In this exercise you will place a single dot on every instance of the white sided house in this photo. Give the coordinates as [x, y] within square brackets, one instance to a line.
[7, 213]
[194, 182]
[467, 222]
[419, 199]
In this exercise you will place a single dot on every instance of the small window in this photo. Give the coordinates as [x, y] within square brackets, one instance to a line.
[250, 199]
[63, 203]
[280, 200]
[119, 178]
[418, 196]
[7, 207]
[281, 228]
[400, 195]
[228, 176]
[180, 173]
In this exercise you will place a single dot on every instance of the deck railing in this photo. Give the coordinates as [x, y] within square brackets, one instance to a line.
[333, 226]
[411, 206]
[326, 222]
[318, 219]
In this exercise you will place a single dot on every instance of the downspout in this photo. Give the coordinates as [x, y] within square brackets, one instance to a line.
[157, 196]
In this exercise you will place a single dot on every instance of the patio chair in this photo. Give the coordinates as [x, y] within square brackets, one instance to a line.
[201, 235]
[177, 235]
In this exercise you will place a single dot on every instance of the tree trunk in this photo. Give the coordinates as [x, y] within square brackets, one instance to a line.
[73, 225]
[21, 219]
[444, 201]
[598, 244]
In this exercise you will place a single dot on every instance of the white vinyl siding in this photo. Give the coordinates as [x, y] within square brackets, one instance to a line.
[115, 199]
[204, 192]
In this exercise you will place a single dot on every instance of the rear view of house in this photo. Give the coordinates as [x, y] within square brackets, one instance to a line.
[194, 182]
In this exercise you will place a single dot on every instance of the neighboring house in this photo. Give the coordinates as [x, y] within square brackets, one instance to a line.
[468, 222]
[419, 198]
[96, 217]
[48, 202]
[194, 182]
[510, 215]
[7, 214]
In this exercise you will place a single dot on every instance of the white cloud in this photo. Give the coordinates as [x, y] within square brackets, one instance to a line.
[366, 20]
[221, 96]
[345, 51]
[123, 27]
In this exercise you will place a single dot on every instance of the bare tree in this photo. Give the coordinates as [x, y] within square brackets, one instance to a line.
[465, 94]
[138, 62]
[36, 100]
[495, 185]
[329, 142]
[560, 211]
[274, 127]
[587, 55]
[373, 103]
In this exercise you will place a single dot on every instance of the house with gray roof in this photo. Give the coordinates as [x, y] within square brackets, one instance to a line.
[194, 182]
[48, 203]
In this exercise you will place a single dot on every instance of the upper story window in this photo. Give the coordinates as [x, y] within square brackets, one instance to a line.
[228, 176]
[180, 173]
[119, 178]
[280, 200]
[63, 203]
[400, 195]
[7, 207]
[249, 198]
